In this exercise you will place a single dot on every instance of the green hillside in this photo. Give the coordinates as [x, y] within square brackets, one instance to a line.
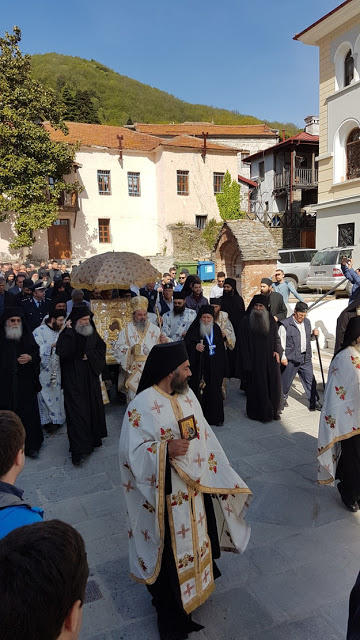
[115, 98]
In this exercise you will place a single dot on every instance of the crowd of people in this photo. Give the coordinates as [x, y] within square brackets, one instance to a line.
[174, 357]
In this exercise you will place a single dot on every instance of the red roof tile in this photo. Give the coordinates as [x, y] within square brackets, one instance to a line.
[196, 143]
[197, 128]
[100, 135]
[300, 137]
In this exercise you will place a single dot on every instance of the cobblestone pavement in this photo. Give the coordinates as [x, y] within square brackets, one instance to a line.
[294, 579]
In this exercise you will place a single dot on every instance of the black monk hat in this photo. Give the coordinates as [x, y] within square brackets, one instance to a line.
[217, 301]
[162, 360]
[179, 295]
[80, 311]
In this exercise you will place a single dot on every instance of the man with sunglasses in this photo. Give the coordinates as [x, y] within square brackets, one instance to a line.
[182, 277]
[284, 287]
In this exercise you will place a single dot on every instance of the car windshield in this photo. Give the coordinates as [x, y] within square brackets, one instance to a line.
[324, 257]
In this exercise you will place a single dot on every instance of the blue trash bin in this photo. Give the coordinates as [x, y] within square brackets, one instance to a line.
[206, 270]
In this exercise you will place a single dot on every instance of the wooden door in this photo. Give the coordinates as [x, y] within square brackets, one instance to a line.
[59, 240]
[307, 238]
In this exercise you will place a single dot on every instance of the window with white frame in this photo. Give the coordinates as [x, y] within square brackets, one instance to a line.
[182, 178]
[353, 154]
[134, 183]
[348, 69]
[104, 183]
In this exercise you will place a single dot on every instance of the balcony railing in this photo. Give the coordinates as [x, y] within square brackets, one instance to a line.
[301, 178]
[69, 201]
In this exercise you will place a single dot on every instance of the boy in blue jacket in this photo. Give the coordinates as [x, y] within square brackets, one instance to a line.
[14, 511]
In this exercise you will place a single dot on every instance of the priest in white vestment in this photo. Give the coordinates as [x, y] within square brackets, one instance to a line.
[339, 427]
[133, 346]
[51, 396]
[177, 321]
[184, 501]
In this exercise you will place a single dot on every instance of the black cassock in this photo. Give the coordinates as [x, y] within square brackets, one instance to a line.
[235, 308]
[19, 384]
[85, 416]
[211, 368]
[260, 373]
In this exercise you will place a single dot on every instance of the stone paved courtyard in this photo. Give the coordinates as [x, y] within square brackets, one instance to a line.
[293, 581]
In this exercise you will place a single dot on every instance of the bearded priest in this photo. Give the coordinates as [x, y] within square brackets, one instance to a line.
[133, 346]
[184, 500]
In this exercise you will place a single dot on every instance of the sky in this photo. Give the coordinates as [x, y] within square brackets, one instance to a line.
[238, 55]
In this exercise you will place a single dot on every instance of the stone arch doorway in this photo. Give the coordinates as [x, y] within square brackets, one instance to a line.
[246, 251]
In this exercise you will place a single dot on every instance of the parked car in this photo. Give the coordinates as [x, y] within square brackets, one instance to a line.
[325, 268]
[295, 265]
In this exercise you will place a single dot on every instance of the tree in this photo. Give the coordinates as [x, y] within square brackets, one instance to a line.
[69, 106]
[28, 157]
[228, 200]
[84, 108]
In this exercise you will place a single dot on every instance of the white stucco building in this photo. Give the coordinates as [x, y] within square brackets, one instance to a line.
[247, 138]
[337, 35]
[134, 186]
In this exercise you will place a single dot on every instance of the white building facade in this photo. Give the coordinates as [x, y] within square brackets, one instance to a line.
[133, 186]
[337, 35]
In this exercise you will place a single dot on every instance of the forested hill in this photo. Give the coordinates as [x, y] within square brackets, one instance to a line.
[92, 92]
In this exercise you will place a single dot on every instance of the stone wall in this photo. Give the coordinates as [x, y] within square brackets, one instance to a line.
[187, 243]
[251, 276]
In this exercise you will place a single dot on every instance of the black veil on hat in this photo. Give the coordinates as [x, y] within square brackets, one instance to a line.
[232, 283]
[187, 285]
[352, 331]
[80, 311]
[162, 360]
[259, 298]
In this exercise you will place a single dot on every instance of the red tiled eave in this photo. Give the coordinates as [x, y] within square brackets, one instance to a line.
[306, 138]
[251, 183]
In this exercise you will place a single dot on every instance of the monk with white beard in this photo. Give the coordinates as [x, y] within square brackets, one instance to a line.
[260, 352]
[19, 375]
[82, 359]
[205, 346]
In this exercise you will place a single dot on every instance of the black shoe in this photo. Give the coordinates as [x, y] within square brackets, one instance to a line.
[98, 443]
[316, 407]
[77, 459]
[352, 506]
[286, 404]
[32, 453]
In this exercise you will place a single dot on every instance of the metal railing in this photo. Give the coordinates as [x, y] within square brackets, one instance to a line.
[302, 177]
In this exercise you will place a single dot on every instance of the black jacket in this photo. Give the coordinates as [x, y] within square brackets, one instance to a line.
[34, 314]
[277, 306]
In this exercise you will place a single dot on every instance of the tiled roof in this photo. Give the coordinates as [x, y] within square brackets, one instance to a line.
[299, 137]
[197, 128]
[196, 143]
[101, 135]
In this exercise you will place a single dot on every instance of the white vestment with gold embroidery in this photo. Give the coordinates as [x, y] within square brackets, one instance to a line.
[132, 364]
[150, 421]
[340, 414]
[227, 328]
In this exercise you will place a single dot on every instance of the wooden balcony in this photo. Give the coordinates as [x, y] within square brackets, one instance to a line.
[302, 178]
[69, 202]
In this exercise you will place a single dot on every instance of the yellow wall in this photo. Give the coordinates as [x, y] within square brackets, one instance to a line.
[327, 88]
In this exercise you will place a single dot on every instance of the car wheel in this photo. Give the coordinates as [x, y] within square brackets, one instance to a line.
[292, 281]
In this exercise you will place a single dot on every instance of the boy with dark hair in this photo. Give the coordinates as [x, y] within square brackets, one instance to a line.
[14, 511]
[43, 575]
